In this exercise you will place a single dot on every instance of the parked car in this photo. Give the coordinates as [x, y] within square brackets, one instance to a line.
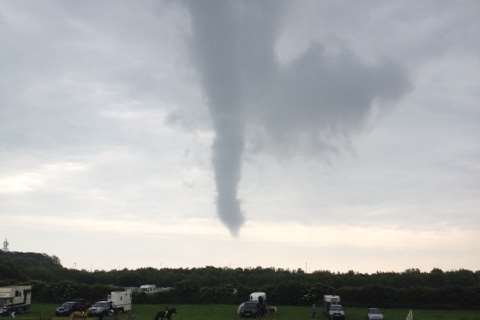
[335, 312]
[100, 308]
[248, 309]
[374, 314]
[70, 307]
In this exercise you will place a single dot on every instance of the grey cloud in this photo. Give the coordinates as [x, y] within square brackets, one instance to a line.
[320, 98]
[412, 32]
[65, 64]
[314, 99]
[71, 71]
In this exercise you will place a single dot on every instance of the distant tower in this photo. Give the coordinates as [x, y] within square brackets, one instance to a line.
[5, 245]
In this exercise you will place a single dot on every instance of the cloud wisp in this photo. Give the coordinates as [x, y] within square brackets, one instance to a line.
[317, 99]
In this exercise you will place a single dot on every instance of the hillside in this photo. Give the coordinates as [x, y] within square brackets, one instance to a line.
[24, 266]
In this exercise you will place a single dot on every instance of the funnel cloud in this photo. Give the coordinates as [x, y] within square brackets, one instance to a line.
[316, 100]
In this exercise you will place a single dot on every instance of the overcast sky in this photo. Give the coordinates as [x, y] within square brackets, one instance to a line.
[321, 134]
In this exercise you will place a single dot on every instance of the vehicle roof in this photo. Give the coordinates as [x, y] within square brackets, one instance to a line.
[16, 287]
[331, 298]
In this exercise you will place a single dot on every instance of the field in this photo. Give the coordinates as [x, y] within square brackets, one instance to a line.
[227, 312]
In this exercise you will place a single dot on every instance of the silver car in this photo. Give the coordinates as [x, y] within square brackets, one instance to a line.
[335, 312]
[100, 308]
[374, 314]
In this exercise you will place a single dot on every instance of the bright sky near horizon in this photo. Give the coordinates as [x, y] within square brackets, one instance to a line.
[346, 133]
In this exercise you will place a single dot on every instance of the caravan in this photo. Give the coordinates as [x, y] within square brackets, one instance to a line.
[15, 299]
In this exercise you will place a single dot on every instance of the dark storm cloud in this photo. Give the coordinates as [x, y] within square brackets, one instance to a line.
[315, 99]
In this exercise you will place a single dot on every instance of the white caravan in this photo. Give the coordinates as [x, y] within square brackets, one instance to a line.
[121, 300]
[15, 299]
[148, 288]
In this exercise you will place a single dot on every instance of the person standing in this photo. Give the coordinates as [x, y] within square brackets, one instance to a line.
[314, 311]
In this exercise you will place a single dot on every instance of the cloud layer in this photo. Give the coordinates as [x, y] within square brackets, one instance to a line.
[105, 114]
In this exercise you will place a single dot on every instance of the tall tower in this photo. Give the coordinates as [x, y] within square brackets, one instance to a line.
[5, 245]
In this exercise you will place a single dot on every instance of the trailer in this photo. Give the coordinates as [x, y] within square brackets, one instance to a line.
[15, 299]
[121, 300]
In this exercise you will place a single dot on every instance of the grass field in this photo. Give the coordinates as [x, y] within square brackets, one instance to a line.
[227, 312]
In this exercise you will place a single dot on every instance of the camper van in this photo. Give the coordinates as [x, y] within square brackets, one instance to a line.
[15, 299]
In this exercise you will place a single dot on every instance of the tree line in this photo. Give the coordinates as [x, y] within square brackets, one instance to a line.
[410, 288]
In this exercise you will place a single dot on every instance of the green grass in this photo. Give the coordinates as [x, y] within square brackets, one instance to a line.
[227, 312]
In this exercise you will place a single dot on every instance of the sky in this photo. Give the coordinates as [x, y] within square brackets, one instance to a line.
[319, 135]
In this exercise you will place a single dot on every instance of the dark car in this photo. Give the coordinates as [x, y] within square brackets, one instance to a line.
[70, 307]
[248, 309]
